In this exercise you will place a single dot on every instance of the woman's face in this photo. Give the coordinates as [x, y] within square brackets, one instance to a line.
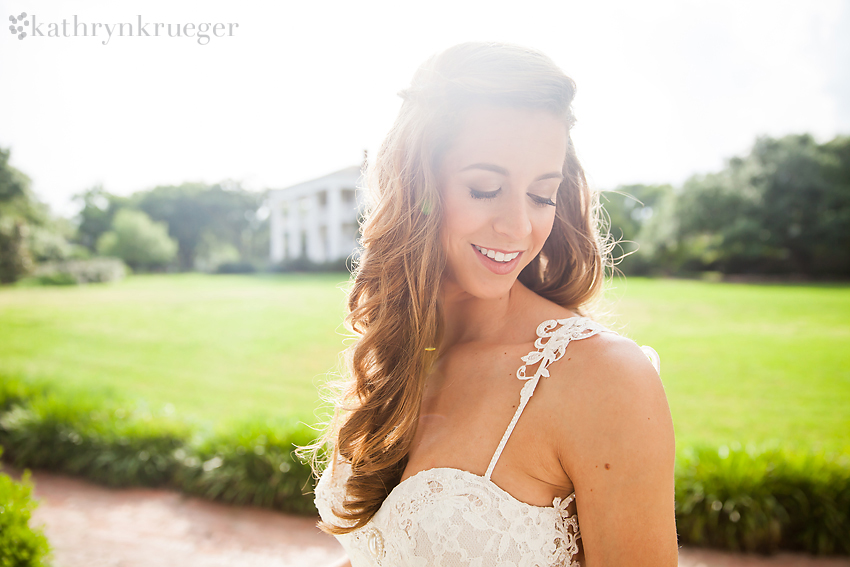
[498, 183]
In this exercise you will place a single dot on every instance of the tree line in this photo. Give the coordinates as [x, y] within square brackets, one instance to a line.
[193, 226]
[782, 209]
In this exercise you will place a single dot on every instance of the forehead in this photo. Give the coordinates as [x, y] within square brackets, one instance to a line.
[518, 137]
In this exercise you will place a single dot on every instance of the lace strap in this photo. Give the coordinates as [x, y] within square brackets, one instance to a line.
[551, 345]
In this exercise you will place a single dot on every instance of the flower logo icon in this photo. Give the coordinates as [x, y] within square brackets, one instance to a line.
[19, 29]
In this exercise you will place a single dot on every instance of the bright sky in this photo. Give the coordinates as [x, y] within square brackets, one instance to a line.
[665, 88]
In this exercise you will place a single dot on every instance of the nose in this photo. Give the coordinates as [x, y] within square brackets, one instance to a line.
[513, 220]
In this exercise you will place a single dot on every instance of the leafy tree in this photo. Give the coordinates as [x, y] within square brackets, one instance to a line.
[28, 233]
[136, 239]
[835, 221]
[15, 258]
[18, 211]
[635, 214]
[783, 208]
[96, 215]
[13, 184]
[211, 223]
[207, 221]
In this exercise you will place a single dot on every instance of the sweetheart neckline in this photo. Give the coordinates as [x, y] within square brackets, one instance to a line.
[486, 481]
[541, 331]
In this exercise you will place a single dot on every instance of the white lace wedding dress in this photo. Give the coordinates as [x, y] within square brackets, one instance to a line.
[446, 517]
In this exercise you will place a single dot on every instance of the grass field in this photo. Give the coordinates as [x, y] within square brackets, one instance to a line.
[745, 363]
[214, 347]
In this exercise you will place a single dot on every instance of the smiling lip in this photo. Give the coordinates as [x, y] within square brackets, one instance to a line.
[500, 268]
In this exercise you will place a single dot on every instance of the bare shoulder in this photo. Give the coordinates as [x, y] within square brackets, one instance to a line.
[614, 397]
[615, 441]
[609, 361]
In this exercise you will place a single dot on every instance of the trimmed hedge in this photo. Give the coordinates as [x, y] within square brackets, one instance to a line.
[72, 272]
[110, 444]
[254, 464]
[751, 500]
[736, 499]
[20, 545]
[83, 437]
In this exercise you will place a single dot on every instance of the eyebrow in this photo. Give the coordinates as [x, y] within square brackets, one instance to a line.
[503, 171]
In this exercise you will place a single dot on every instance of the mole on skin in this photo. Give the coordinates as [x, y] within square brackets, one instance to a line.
[607, 466]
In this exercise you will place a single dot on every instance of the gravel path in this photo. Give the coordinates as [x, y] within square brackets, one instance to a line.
[93, 526]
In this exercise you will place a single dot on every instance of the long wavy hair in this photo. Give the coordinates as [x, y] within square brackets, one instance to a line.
[394, 306]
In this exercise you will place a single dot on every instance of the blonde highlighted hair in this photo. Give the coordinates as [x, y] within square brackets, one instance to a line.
[393, 304]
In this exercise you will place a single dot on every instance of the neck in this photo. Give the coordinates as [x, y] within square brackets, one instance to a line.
[468, 318]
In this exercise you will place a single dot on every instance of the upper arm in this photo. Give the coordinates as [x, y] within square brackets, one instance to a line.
[617, 447]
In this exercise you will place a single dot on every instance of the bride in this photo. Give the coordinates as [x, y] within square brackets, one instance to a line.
[486, 420]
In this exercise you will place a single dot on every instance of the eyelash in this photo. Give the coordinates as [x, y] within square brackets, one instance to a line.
[484, 195]
[489, 196]
[542, 201]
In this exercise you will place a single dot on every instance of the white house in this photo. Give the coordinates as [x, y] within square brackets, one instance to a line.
[316, 219]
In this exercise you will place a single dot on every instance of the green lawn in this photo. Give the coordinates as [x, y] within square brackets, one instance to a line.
[747, 363]
[213, 346]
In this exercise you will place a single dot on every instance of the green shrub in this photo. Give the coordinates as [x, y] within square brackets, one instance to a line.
[255, 464]
[101, 440]
[139, 241]
[20, 545]
[57, 278]
[17, 392]
[70, 272]
[88, 437]
[764, 501]
[236, 268]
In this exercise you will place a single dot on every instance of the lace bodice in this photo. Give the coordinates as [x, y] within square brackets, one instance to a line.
[453, 518]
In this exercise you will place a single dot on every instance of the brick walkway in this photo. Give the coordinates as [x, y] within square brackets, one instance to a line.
[93, 526]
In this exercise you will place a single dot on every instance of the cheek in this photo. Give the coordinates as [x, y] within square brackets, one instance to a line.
[542, 230]
[459, 219]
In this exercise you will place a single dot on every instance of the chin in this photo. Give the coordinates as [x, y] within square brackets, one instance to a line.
[478, 282]
[491, 290]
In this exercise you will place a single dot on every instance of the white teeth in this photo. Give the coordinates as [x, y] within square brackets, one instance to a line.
[497, 256]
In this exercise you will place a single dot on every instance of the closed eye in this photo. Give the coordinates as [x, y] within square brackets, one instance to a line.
[542, 201]
[484, 195]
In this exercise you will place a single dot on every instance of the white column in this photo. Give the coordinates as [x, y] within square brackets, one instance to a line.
[334, 223]
[277, 253]
[293, 227]
[314, 240]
